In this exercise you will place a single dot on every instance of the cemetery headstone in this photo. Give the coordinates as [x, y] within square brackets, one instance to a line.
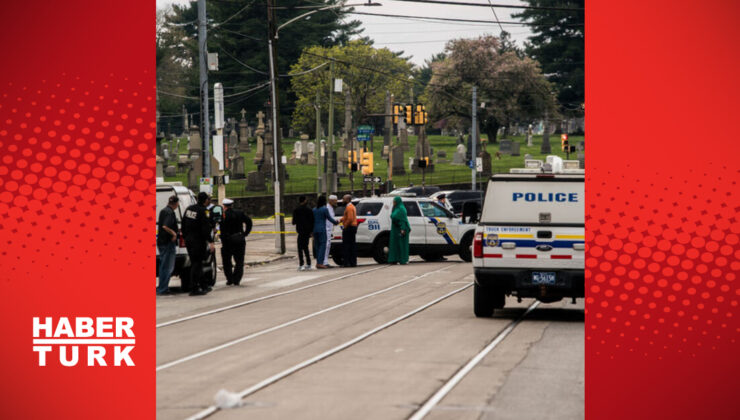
[255, 181]
[460, 154]
[486, 158]
[398, 160]
[237, 167]
[515, 146]
[505, 147]
[233, 144]
[170, 171]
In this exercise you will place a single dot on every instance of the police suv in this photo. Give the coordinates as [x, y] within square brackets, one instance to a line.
[187, 198]
[530, 240]
[435, 231]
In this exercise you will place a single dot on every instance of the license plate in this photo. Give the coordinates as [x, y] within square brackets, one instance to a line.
[543, 278]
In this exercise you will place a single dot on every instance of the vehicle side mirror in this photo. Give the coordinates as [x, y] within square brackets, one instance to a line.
[217, 213]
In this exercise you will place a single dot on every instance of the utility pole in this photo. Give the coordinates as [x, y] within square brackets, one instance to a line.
[279, 215]
[330, 148]
[203, 64]
[318, 145]
[474, 138]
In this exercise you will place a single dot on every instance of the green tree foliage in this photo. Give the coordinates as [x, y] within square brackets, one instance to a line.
[172, 75]
[237, 31]
[367, 72]
[513, 88]
[558, 44]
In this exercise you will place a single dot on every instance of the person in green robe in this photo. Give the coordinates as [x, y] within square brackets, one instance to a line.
[398, 248]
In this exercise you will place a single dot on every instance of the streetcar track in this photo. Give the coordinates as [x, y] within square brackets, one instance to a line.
[308, 362]
[294, 321]
[260, 299]
[442, 392]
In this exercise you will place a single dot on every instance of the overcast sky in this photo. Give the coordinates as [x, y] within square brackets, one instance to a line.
[421, 40]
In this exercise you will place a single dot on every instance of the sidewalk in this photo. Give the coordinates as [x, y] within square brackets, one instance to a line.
[261, 245]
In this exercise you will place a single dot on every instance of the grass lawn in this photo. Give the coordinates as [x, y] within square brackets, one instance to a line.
[302, 178]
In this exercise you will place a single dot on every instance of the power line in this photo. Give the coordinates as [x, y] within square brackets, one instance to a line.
[460, 20]
[503, 6]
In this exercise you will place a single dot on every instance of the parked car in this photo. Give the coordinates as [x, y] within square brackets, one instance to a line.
[455, 199]
[419, 191]
[435, 231]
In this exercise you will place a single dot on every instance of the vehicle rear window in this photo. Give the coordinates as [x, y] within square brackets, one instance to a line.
[369, 209]
[163, 197]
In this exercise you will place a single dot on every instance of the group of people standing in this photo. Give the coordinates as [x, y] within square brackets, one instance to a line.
[198, 230]
[319, 223]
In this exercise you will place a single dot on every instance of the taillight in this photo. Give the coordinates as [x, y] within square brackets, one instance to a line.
[478, 245]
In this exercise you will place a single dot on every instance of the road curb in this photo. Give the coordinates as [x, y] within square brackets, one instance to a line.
[268, 260]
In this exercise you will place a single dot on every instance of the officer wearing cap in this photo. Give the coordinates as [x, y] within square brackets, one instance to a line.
[235, 226]
[196, 229]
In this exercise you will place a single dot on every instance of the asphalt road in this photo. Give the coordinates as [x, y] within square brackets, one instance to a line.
[371, 342]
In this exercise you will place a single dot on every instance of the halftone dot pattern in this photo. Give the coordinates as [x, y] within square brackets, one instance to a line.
[76, 175]
[662, 262]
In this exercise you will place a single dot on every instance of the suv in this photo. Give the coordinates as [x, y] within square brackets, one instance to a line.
[530, 241]
[187, 198]
[456, 198]
[435, 231]
[419, 191]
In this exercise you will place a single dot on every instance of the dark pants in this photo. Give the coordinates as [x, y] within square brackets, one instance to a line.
[349, 246]
[197, 252]
[319, 246]
[303, 239]
[233, 247]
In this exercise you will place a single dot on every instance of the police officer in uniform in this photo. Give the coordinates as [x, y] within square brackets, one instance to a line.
[235, 226]
[196, 229]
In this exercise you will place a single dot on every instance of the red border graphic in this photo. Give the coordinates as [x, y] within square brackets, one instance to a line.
[77, 123]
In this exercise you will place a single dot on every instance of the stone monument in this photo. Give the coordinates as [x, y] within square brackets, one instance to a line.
[459, 157]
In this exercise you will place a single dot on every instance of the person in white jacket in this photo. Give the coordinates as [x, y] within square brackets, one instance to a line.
[329, 227]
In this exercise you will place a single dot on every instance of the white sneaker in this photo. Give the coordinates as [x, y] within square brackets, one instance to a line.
[308, 268]
[302, 268]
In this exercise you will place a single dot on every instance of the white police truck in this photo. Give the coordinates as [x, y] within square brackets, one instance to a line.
[435, 231]
[530, 240]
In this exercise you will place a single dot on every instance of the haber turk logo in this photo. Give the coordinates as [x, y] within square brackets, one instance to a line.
[101, 341]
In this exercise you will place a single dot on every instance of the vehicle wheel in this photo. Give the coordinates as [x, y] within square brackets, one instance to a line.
[380, 250]
[482, 304]
[212, 278]
[337, 258]
[485, 300]
[466, 251]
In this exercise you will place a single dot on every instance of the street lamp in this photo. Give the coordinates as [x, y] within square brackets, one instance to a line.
[273, 34]
[334, 6]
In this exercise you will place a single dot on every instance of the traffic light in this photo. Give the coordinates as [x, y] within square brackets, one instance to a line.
[409, 114]
[419, 115]
[352, 160]
[564, 142]
[397, 112]
[423, 163]
[366, 161]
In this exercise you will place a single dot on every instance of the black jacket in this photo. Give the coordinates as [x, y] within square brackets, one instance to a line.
[196, 226]
[234, 222]
[303, 219]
